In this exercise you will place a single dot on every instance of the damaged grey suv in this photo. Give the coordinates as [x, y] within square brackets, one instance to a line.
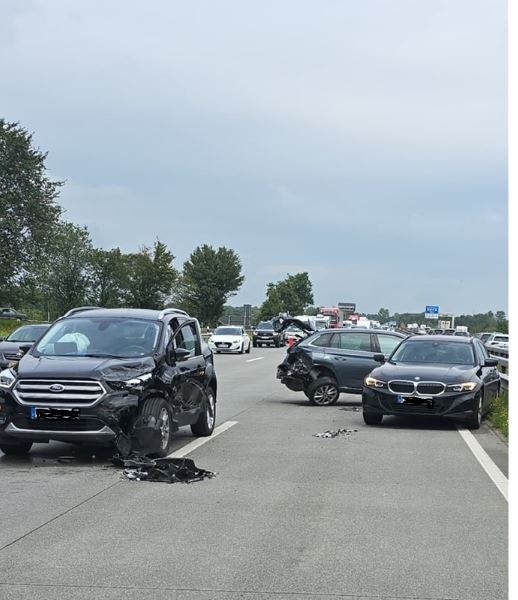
[122, 377]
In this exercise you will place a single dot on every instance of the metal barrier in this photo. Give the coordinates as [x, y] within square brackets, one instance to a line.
[502, 354]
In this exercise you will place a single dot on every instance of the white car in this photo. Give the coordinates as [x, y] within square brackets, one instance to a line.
[498, 339]
[228, 338]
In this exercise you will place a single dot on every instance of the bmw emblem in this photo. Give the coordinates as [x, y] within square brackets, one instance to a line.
[56, 387]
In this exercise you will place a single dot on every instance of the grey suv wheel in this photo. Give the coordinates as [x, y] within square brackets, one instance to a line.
[323, 391]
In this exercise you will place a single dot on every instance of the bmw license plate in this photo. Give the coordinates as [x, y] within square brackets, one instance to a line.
[414, 401]
[54, 414]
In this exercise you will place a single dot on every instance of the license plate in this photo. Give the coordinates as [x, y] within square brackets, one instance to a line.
[54, 414]
[414, 401]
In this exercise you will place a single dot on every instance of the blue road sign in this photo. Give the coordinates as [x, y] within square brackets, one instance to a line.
[431, 312]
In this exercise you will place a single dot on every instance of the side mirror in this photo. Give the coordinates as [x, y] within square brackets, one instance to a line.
[176, 355]
[491, 362]
[24, 349]
[379, 358]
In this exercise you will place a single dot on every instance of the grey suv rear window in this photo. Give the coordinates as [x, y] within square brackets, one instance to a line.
[355, 341]
[323, 340]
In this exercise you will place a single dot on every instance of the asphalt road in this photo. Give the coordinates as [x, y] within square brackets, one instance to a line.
[401, 511]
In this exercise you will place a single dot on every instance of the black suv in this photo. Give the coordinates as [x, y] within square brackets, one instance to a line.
[333, 361]
[265, 335]
[123, 377]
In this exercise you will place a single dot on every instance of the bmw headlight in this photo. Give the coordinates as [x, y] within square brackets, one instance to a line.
[7, 379]
[467, 386]
[374, 383]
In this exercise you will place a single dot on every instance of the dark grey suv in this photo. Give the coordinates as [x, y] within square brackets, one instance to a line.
[333, 361]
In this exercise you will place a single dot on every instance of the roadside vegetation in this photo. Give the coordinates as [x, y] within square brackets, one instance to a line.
[499, 413]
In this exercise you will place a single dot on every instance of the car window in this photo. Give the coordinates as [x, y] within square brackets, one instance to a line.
[387, 343]
[323, 340]
[440, 352]
[187, 338]
[355, 341]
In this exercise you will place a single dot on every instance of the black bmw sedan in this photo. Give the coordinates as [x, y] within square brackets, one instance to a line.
[432, 375]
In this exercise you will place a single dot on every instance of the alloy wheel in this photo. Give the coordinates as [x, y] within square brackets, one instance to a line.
[325, 394]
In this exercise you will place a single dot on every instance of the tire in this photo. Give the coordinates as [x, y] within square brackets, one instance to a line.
[475, 418]
[15, 448]
[204, 426]
[254, 345]
[323, 391]
[372, 418]
[249, 346]
[159, 409]
[242, 351]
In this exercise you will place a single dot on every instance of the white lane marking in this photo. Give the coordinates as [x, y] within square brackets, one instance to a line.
[252, 359]
[180, 453]
[497, 477]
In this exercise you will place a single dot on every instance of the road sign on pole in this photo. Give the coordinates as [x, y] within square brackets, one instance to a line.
[431, 312]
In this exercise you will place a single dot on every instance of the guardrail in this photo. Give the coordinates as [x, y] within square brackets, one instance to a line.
[502, 354]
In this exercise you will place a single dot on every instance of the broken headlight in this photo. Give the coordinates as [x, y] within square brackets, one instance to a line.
[375, 383]
[137, 381]
[7, 378]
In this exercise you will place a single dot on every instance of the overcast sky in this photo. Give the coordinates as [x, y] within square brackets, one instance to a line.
[362, 141]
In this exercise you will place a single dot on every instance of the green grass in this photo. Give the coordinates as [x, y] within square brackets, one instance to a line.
[499, 413]
[7, 327]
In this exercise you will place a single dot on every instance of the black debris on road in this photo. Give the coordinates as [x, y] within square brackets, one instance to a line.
[336, 433]
[162, 470]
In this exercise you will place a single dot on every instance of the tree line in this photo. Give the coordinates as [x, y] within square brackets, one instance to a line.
[49, 265]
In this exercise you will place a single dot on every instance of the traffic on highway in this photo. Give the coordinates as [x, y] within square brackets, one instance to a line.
[108, 400]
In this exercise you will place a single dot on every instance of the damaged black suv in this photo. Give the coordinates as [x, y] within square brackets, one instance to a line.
[122, 377]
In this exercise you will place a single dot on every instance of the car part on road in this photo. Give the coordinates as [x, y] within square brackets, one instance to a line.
[163, 470]
[336, 433]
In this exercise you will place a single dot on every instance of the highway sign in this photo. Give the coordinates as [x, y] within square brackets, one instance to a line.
[347, 307]
[431, 312]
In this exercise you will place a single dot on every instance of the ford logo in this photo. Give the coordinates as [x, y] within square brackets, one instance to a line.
[56, 387]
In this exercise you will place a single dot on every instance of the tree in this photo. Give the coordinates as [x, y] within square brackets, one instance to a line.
[63, 274]
[150, 277]
[291, 296]
[383, 315]
[28, 208]
[108, 278]
[209, 278]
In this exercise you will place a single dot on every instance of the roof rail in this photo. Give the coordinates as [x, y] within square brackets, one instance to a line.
[73, 311]
[171, 311]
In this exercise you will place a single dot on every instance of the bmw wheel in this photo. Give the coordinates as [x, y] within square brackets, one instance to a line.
[475, 418]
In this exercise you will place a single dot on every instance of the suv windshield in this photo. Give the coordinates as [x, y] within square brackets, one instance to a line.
[27, 333]
[99, 336]
[265, 325]
[428, 351]
[227, 331]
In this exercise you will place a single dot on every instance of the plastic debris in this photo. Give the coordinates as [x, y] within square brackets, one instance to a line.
[336, 433]
[165, 470]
